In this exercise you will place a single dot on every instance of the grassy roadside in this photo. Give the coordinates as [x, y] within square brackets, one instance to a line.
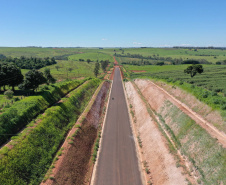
[213, 98]
[14, 118]
[28, 161]
[206, 155]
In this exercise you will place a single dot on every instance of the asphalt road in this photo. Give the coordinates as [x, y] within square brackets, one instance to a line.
[118, 163]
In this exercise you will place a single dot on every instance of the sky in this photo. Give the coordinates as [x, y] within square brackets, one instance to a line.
[115, 23]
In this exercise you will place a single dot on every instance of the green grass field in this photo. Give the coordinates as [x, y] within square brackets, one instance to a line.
[79, 69]
[43, 52]
[211, 55]
[93, 56]
[213, 78]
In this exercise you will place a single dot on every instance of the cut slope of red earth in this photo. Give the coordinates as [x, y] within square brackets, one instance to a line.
[156, 99]
[156, 156]
[74, 165]
[116, 63]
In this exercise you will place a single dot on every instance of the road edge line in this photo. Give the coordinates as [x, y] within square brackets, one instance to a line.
[139, 156]
[101, 140]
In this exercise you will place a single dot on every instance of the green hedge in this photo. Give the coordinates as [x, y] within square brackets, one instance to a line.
[13, 119]
[29, 160]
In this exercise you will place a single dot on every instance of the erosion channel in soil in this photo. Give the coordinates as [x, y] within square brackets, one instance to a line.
[74, 166]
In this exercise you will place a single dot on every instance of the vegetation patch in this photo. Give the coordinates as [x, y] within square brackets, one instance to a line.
[30, 63]
[28, 161]
[207, 156]
[14, 118]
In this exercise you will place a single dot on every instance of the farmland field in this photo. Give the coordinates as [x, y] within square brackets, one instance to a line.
[55, 103]
[213, 78]
[92, 56]
[211, 55]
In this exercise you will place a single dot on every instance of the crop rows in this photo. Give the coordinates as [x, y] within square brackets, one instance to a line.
[209, 87]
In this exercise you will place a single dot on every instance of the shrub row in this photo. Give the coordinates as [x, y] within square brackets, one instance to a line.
[13, 119]
[28, 161]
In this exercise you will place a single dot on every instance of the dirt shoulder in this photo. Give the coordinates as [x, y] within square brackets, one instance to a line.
[74, 165]
[158, 163]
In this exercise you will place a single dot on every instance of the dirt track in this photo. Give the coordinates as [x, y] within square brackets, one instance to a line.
[118, 163]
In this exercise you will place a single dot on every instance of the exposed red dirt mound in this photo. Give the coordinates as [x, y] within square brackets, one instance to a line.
[74, 165]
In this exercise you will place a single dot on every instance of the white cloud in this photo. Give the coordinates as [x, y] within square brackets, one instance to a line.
[104, 39]
[185, 44]
[165, 45]
[137, 43]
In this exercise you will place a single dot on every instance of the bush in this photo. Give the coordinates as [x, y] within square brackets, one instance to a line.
[213, 93]
[218, 63]
[223, 107]
[205, 94]
[9, 94]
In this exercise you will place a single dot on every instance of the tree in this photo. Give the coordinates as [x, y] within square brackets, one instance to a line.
[218, 63]
[10, 75]
[33, 79]
[88, 61]
[96, 69]
[4, 75]
[48, 76]
[160, 63]
[104, 65]
[29, 63]
[194, 69]
[190, 61]
[70, 69]
[8, 94]
[15, 75]
[57, 67]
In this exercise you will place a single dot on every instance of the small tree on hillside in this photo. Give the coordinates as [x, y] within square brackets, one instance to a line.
[70, 69]
[48, 76]
[96, 69]
[194, 69]
[8, 94]
[104, 65]
[33, 79]
[57, 67]
[88, 61]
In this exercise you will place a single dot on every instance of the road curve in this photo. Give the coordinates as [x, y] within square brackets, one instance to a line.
[117, 163]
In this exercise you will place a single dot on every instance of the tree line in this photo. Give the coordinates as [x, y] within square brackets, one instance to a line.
[10, 75]
[103, 64]
[29, 62]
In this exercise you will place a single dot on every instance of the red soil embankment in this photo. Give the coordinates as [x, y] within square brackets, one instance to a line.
[116, 63]
[155, 153]
[157, 95]
[112, 74]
